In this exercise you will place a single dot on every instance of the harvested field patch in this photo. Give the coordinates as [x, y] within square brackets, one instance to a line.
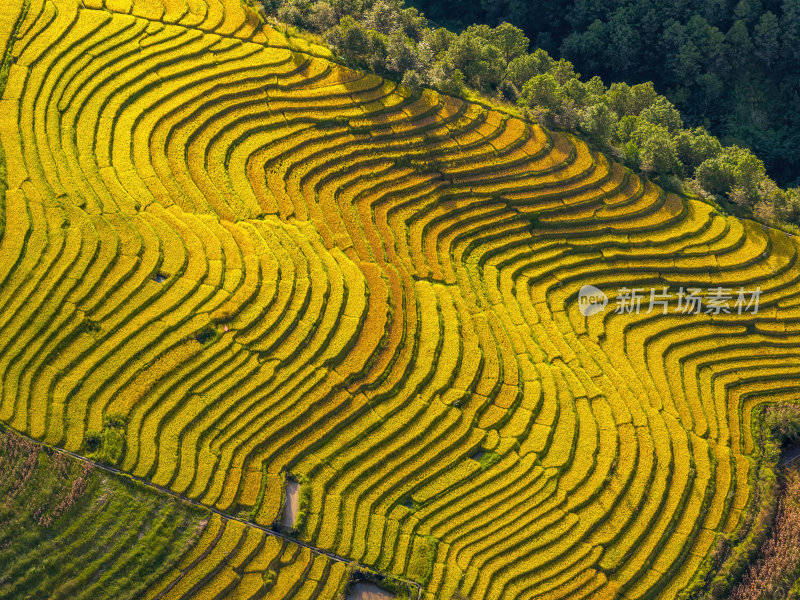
[368, 591]
[291, 505]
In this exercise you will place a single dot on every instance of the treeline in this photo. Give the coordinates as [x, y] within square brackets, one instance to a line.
[730, 65]
[633, 123]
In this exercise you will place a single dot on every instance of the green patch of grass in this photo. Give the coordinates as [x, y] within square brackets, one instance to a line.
[485, 458]
[108, 444]
[303, 504]
[423, 559]
[270, 577]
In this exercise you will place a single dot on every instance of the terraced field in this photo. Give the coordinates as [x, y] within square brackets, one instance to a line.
[68, 531]
[227, 262]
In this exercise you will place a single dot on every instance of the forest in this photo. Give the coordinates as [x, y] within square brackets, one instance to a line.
[729, 66]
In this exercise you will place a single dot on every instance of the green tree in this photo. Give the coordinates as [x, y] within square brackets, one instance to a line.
[599, 122]
[657, 149]
[322, 16]
[358, 45]
[523, 68]
[510, 40]
[766, 38]
[658, 155]
[348, 7]
[710, 89]
[437, 41]
[481, 63]
[401, 55]
[351, 39]
[790, 29]
[543, 91]
[695, 146]
[690, 50]
[739, 45]
[291, 14]
[734, 171]
[382, 17]
[789, 210]
[746, 11]
[662, 112]
[688, 61]
[414, 23]
[625, 99]
[587, 48]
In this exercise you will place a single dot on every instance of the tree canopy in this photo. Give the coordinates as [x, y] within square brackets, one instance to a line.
[731, 66]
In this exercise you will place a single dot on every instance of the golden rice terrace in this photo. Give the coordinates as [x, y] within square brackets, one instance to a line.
[345, 316]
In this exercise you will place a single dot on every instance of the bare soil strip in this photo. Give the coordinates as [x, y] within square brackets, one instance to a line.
[292, 504]
[369, 591]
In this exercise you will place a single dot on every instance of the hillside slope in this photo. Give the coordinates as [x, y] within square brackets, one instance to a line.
[71, 531]
[267, 266]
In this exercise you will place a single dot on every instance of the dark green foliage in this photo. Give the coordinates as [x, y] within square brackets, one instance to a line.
[208, 335]
[783, 421]
[731, 67]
